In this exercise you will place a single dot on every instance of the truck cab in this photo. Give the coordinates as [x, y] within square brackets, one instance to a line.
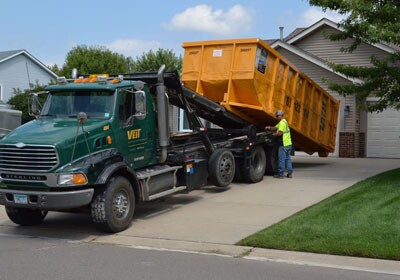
[87, 131]
[119, 115]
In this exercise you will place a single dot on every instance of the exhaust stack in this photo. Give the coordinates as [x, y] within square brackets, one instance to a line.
[162, 108]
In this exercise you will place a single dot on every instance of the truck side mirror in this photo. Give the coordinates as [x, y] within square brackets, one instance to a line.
[35, 106]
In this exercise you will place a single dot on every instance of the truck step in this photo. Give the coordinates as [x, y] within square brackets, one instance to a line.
[167, 192]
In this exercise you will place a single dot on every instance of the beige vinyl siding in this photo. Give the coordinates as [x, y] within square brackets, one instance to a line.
[173, 112]
[319, 45]
[349, 123]
[18, 73]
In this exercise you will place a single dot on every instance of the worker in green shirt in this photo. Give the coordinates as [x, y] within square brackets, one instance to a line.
[282, 130]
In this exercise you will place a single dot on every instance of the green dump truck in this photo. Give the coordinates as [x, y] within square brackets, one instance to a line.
[103, 144]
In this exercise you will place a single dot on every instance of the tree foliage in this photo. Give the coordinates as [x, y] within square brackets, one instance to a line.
[101, 60]
[371, 22]
[93, 60]
[152, 61]
[20, 101]
[55, 69]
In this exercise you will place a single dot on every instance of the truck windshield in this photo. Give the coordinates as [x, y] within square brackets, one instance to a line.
[96, 104]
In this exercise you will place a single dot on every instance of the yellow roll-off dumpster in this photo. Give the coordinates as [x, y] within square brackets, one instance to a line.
[253, 81]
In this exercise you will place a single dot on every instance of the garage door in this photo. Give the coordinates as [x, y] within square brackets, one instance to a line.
[383, 134]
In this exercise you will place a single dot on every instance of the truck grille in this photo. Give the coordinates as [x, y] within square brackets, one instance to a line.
[34, 158]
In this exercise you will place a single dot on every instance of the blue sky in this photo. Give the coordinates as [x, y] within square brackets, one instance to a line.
[49, 29]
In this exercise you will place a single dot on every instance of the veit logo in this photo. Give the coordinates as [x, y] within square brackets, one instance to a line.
[133, 134]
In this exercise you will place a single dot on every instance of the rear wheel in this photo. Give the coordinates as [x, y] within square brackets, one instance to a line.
[113, 207]
[25, 216]
[256, 171]
[221, 168]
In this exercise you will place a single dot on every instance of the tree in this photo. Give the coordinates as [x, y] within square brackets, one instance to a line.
[152, 61]
[95, 60]
[371, 22]
[20, 100]
[55, 69]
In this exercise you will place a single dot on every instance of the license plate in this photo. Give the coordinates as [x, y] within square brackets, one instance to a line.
[21, 198]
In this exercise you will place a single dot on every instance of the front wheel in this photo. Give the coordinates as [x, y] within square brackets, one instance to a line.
[221, 168]
[113, 207]
[25, 216]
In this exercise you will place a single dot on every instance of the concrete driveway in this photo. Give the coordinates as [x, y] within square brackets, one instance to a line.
[212, 219]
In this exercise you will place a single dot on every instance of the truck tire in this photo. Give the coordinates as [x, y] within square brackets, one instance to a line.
[256, 171]
[272, 156]
[113, 207]
[25, 216]
[221, 168]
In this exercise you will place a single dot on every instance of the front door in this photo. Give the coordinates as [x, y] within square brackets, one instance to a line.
[136, 140]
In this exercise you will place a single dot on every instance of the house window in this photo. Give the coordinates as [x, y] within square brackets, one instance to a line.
[183, 121]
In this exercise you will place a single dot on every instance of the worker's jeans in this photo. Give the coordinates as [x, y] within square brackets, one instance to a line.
[285, 160]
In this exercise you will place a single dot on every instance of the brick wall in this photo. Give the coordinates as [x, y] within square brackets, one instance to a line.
[347, 145]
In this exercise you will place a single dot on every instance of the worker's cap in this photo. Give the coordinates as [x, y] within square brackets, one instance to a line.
[278, 113]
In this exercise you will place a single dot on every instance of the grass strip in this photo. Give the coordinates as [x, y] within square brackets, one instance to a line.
[363, 221]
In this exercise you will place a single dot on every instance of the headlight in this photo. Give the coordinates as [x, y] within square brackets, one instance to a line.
[72, 179]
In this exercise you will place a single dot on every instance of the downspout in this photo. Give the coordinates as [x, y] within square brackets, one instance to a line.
[162, 116]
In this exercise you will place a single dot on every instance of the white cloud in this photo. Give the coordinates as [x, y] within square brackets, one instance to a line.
[203, 18]
[313, 15]
[133, 47]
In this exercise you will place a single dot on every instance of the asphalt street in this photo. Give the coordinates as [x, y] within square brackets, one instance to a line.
[41, 258]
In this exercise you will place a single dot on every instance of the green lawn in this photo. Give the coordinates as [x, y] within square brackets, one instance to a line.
[363, 220]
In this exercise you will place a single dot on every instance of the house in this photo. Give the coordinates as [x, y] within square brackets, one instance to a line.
[19, 70]
[359, 134]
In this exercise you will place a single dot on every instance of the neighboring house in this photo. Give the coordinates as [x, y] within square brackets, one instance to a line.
[19, 70]
[359, 134]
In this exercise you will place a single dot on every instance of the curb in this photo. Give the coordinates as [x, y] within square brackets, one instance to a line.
[223, 250]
